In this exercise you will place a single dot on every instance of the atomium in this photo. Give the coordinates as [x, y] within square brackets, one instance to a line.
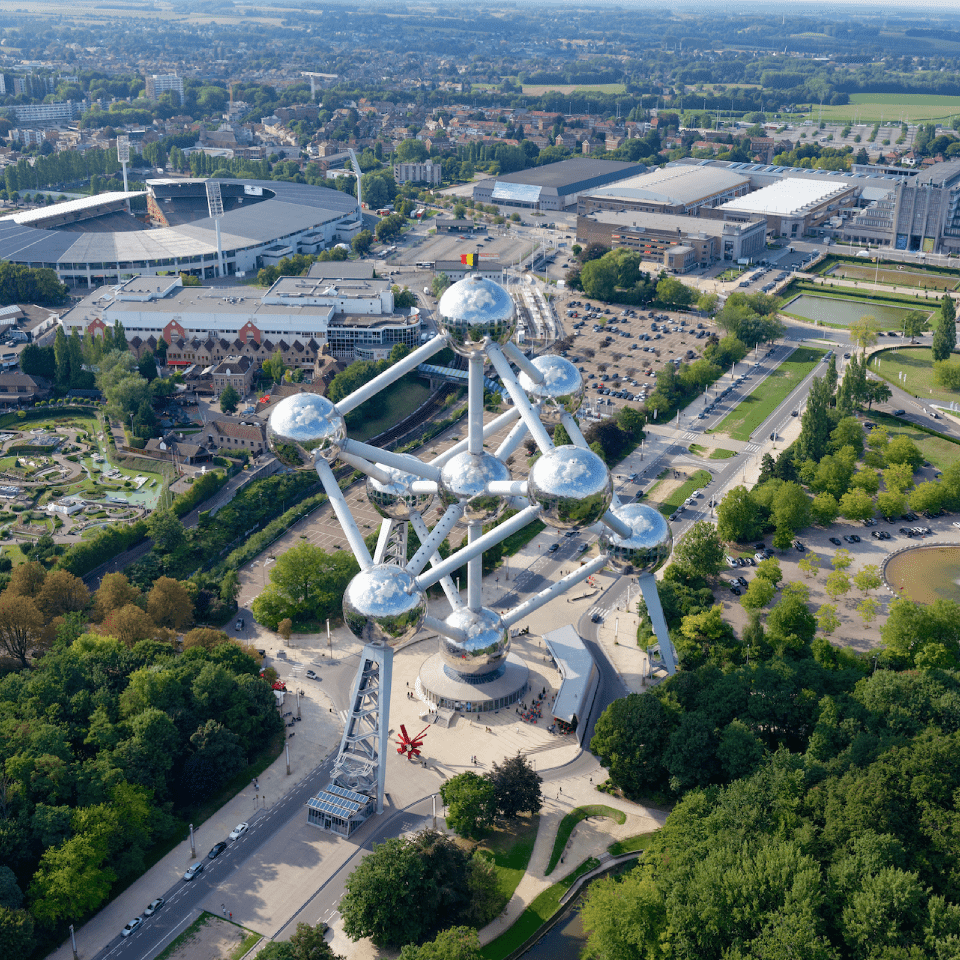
[305, 427]
[560, 392]
[475, 313]
[384, 605]
[573, 487]
[486, 645]
[646, 549]
[465, 479]
[396, 500]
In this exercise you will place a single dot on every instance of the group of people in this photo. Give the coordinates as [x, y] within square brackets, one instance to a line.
[534, 712]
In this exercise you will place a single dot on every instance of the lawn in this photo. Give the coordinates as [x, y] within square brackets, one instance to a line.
[539, 89]
[509, 850]
[769, 394]
[712, 453]
[569, 822]
[388, 408]
[673, 500]
[535, 916]
[940, 451]
[898, 278]
[890, 107]
[630, 844]
[917, 364]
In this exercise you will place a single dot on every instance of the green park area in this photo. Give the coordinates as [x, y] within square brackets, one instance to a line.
[769, 394]
[898, 277]
[678, 494]
[889, 108]
[539, 89]
[940, 451]
[711, 453]
[916, 363]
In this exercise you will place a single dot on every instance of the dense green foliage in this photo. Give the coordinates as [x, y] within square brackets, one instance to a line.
[19, 284]
[103, 747]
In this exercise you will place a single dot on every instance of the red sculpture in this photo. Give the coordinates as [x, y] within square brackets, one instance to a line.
[411, 746]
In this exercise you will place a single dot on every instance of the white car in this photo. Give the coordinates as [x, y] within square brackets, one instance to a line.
[238, 831]
[956, 523]
[731, 562]
[131, 926]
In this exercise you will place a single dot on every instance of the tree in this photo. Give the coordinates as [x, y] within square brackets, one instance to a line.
[945, 334]
[824, 509]
[827, 619]
[471, 803]
[129, 625]
[867, 480]
[901, 449]
[857, 504]
[816, 424]
[362, 243]
[868, 608]
[275, 368]
[16, 932]
[790, 507]
[456, 943]
[891, 503]
[21, 624]
[915, 323]
[928, 497]
[115, 591]
[61, 352]
[868, 578]
[865, 331]
[770, 570]
[440, 283]
[700, 549]
[27, 580]
[810, 563]
[204, 637]
[759, 593]
[626, 918]
[62, 593]
[166, 530]
[738, 519]
[169, 604]
[517, 786]
[837, 584]
[790, 625]
[230, 399]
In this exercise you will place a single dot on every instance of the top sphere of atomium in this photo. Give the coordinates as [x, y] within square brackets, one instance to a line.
[485, 648]
[464, 478]
[475, 312]
[384, 604]
[304, 427]
[396, 500]
[561, 390]
[573, 487]
[647, 548]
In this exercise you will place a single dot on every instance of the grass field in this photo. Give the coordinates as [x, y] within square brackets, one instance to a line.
[890, 107]
[509, 850]
[897, 278]
[940, 452]
[667, 506]
[769, 394]
[395, 403]
[712, 453]
[917, 364]
[539, 89]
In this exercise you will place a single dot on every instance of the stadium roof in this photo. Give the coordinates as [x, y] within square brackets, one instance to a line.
[791, 196]
[291, 209]
[74, 206]
[569, 176]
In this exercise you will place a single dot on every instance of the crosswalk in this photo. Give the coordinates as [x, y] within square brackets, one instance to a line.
[753, 448]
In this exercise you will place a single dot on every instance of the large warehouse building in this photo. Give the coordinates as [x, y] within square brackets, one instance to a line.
[669, 190]
[554, 186]
[92, 242]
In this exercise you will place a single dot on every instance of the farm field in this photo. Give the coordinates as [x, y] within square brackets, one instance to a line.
[538, 89]
[890, 107]
[899, 278]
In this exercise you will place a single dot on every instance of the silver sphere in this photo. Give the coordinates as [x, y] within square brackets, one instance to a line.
[646, 549]
[396, 500]
[464, 479]
[384, 604]
[573, 487]
[473, 313]
[304, 427]
[486, 646]
[561, 390]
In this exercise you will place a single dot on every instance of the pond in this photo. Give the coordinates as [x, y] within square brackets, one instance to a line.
[926, 574]
[844, 312]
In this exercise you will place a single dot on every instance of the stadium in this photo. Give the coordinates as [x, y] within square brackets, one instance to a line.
[95, 240]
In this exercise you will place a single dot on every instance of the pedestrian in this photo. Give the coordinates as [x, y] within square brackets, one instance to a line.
[231, 914]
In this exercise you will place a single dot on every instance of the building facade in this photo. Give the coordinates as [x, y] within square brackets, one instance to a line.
[158, 84]
[427, 172]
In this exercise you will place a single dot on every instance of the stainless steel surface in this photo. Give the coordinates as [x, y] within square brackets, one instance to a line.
[561, 390]
[464, 479]
[474, 313]
[485, 647]
[572, 486]
[396, 500]
[646, 549]
[304, 427]
[384, 604]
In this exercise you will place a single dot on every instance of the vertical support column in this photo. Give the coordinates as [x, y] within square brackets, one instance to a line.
[475, 571]
[475, 405]
[386, 685]
[648, 587]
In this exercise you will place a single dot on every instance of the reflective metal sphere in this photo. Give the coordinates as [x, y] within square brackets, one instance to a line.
[561, 390]
[474, 313]
[464, 478]
[304, 427]
[396, 500]
[486, 646]
[646, 549]
[572, 486]
[384, 605]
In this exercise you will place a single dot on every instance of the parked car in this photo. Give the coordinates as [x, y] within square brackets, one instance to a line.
[835, 541]
[798, 546]
[134, 924]
[899, 413]
[760, 555]
[239, 623]
[554, 547]
[742, 581]
[216, 850]
[312, 675]
[195, 868]
[734, 589]
[731, 562]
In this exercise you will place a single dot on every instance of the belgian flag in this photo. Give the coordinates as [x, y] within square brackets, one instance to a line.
[468, 259]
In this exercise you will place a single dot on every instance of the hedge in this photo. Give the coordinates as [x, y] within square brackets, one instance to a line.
[81, 558]
[203, 488]
[29, 448]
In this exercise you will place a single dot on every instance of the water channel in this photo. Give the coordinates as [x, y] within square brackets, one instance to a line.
[827, 310]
